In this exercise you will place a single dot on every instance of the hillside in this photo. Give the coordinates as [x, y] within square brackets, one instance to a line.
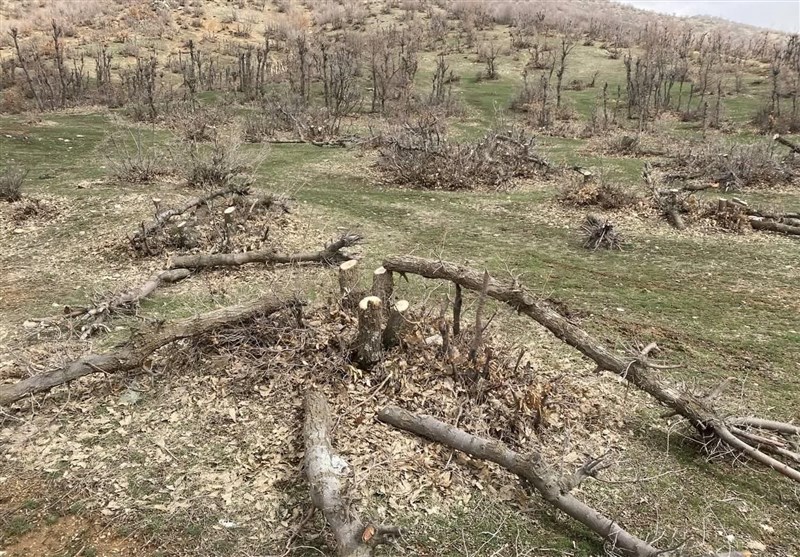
[185, 186]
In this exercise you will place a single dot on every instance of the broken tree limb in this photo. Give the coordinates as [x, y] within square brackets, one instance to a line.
[369, 345]
[139, 238]
[699, 412]
[770, 425]
[330, 255]
[785, 142]
[139, 350]
[323, 469]
[530, 466]
[125, 301]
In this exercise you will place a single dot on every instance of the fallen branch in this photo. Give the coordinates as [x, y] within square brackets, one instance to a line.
[330, 255]
[638, 372]
[323, 468]
[125, 301]
[531, 467]
[139, 350]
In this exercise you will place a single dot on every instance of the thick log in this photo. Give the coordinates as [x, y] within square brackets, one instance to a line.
[396, 324]
[326, 491]
[382, 285]
[323, 469]
[783, 141]
[695, 409]
[330, 255]
[772, 226]
[139, 238]
[530, 466]
[139, 350]
[369, 345]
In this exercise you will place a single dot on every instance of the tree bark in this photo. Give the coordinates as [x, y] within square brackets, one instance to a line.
[326, 491]
[348, 283]
[330, 255]
[369, 346]
[396, 324]
[696, 410]
[323, 469]
[531, 467]
[138, 351]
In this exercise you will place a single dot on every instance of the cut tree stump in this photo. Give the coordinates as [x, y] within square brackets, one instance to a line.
[369, 346]
[348, 277]
[396, 324]
[139, 350]
[324, 468]
[637, 371]
[330, 255]
[382, 285]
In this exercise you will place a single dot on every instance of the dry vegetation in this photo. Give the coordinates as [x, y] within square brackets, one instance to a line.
[199, 356]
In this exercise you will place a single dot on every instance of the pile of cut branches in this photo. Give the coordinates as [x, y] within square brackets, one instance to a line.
[224, 220]
[421, 157]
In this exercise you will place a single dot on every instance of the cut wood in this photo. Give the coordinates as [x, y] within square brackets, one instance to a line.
[140, 349]
[332, 254]
[348, 282]
[324, 468]
[772, 226]
[637, 371]
[531, 466]
[139, 238]
[369, 345]
[783, 141]
[396, 324]
[382, 285]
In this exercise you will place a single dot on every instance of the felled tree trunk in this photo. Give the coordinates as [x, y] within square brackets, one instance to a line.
[637, 371]
[369, 347]
[772, 226]
[323, 469]
[787, 143]
[140, 350]
[330, 255]
[396, 324]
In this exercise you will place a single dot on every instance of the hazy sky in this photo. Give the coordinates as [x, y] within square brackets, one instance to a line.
[774, 14]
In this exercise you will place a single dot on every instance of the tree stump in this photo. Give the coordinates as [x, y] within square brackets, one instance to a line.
[369, 345]
[396, 324]
[348, 281]
[382, 285]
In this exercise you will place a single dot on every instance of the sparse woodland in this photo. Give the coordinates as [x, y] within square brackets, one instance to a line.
[397, 277]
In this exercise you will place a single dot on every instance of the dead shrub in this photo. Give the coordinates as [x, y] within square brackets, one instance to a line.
[11, 179]
[33, 209]
[136, 159]
[598, 193]
[223, 164]
[419, 156]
